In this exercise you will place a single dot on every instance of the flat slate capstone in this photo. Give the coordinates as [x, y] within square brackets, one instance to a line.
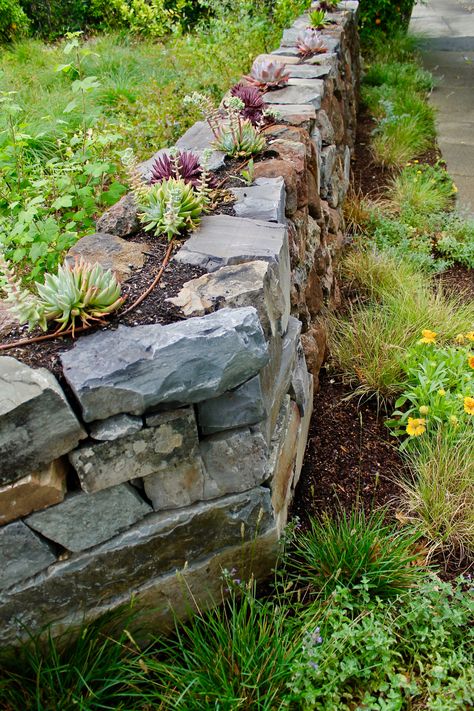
[133, 369]
[263, 201]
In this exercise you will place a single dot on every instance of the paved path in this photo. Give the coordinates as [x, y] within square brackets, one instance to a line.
[448, 51]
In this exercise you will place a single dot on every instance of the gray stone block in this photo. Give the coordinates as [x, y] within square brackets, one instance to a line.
[22, 554]
[301, 382]
[263, 201]
[250, 284]
[199, 138]
[235, 408]
[37, 424]
[171, 437]
[325, 128]
[234, 461]
[328, 162]
[158, 545]
[134, 369]
[179, 484]
[111, 252]
[308, 71]
[121, 219]
[295, 112]
[115, 427]
[295, 95]
[82, 521]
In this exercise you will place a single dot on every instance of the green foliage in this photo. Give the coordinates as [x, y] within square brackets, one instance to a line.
[383, 17]
[413, 653]
[421, 190]
[318, 20]
[170, 207]
[13, 21]
[357, 551]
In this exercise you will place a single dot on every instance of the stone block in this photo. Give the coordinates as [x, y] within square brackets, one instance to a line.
[234, 461]
[289, 59]
[303, 432]
[33, 492]
[295, 96]
[133, 369]
[250, 284]
[263, 201]
[22, 554]
[301, 382]
[37, 425]
[158, 545]
[82, 521]
[198, 139]
[325, 128]
[235, 408]
[308, 71]
[282, 460]
[180, 483]
[171, 437]
[111, 252]
[275, 168]
[115, 427]
[328, 162]
[121, 219]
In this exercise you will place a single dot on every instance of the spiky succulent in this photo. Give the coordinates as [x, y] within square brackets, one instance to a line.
[240, 140]
[318, 19]
[268, 74]
[252, 98]
[172, 206]
[82, 291]
[309, 42]
[184, 165]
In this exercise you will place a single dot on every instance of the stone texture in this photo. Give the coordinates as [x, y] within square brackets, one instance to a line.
[234, 461]
[37, 424]
[263, 201]
[235, 408]
[303, 432]
[275, 168]
[171, 437]
[282, 460]
[115, 427]
[199, 138]
[314, 343]
[133, 369]
[121, 219]
[22, 554]
[289, 59]
[251, 284]
[295, 95]
[33, 492]
[7, 319]
[308, 71]
[328, 161]
[179, 484]
[74, 523]
[301, 382]
[110, 252]
[156, 546]
[325, 127]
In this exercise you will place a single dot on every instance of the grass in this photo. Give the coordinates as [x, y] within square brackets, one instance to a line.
[440, 497]
[419, 191]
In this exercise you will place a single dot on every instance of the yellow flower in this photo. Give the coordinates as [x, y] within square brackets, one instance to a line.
[428, 336]
[418, 172]
[416, 161]
[416, 426]
[453, 420]
[470, 361]
[442, 392]
[460, 338]
[469, 405]
[424, 409]
[455, 189]
[469, 336]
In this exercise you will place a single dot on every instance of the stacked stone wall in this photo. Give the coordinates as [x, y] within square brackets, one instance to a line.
[180, 446]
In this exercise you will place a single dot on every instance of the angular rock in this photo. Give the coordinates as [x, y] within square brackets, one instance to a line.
[82, 521]
[33, 492]
[115, 427]
[301, 382]
[282, 460]
[158, 545]
[263, 201]
[287, 53]
[275, 168]
[295, 96]
[235, 408]
[199, 138]
[171, 437]
[250, 284]
[328, 161]
[290, 60]
[303, 432]
[325, 127]
[121, 219]
[133, 369]
[181, 483]
[308, 71]
[296, 114]
[37, 424]
[234, 461]
[110, 252]
[22, 554]
[309, 82]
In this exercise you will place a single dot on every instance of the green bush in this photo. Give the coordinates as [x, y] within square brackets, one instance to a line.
[13, 21]
[384, 16]
[52, 18]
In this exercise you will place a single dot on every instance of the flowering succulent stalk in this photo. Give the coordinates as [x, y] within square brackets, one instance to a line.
[309, 42]
[21, 303]
[172, 206]
[135, 178]
[85, 292]
[268, 74]
[207, 108]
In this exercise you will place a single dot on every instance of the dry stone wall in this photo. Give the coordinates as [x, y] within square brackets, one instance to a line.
[182, 444]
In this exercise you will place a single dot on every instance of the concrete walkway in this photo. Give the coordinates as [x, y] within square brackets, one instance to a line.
[447, 27]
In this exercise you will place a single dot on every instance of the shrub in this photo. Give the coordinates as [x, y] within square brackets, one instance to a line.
[13, 21]
[384, 16]
[357, 551]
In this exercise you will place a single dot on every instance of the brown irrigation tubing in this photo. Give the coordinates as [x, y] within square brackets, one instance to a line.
[81, 329]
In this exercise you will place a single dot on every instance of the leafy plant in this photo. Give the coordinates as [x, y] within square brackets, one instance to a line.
[248, 174]
[383, 17]
[171, 206]
[421, 189]
[310, 42]
[252, 99]
[357, 551]
[268, 74]
[13, 21]
[318, 19]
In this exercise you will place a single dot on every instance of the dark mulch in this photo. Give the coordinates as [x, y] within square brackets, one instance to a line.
[459, 280]
[368, 177]
[350, 458]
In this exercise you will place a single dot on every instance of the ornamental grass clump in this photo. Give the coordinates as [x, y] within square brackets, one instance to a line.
[357, 551]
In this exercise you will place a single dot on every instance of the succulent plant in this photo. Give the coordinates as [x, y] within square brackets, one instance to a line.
[81, 291]
[172, 206]
[268, 74]
[184, 165]
[309, 41]
[21, 303]
[251, 96]
[317, 19]
[240, 139]
[328, 5]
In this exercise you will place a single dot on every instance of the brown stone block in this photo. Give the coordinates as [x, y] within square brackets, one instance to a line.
[314, 343]
[275, 168]
[33, 492]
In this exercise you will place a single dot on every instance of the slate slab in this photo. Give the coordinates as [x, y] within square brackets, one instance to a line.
[235, 408]
[133, 369]
[22, 554]
[295, 95]
[37, 424]
[82, 521]
[263, 201]
[115, 427]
